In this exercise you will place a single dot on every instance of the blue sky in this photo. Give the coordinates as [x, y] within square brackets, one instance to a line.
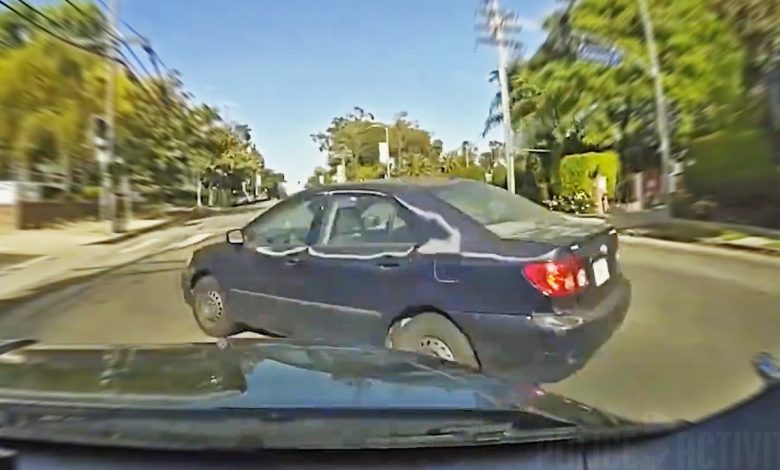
[286, 67]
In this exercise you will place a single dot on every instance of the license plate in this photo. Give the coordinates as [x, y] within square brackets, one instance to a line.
[600, 271]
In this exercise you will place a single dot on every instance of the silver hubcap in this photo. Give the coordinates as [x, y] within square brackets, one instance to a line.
[210, 308]
[436, 347]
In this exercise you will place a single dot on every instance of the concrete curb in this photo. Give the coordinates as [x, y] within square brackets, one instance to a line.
[135, 233]
[760, 256]
[181, 218]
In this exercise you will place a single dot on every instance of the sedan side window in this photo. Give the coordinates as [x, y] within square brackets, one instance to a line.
[292, 225]
[368, 219]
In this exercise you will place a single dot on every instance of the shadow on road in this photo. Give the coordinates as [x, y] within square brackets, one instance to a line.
[149, 271]
[7, 305]
[9, 259]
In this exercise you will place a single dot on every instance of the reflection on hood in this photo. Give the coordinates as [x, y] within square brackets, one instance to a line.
[261, 374]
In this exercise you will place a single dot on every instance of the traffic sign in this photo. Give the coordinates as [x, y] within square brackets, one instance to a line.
[609, 56]
[384, 152]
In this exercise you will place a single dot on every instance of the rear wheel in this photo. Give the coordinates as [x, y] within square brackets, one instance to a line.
[435, 335]
[209, 309]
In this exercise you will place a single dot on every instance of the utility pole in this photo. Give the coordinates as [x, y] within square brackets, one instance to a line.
[106, 153]
[499, 24]
[662, 118]
[118, 203]
[117, 212]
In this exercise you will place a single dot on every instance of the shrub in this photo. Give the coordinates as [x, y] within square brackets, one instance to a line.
[577, 203]
[687, 206]
[473, 172]
[576, 170]
[499, 176]
[91, 193]
[369, 172]
[151, 211]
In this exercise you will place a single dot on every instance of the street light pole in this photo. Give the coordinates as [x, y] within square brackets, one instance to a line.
[387, 141]
[662, 118]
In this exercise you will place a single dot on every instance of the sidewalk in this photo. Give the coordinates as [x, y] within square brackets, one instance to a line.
[64, 238]
[655, 224]
[39, 261]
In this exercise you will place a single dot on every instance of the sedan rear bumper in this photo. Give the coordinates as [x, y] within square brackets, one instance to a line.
[544, 347]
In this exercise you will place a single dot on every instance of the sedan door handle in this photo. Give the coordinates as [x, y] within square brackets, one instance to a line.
[388, 264]
[292, 261]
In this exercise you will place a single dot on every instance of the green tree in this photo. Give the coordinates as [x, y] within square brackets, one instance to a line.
[354, 138]
[568, 105]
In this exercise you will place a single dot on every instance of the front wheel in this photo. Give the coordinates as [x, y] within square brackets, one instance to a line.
[435, 335]
[209, 309]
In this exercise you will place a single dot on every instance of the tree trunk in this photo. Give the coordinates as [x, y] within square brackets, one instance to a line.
[68, 175]
[774, 98]
[198, 192]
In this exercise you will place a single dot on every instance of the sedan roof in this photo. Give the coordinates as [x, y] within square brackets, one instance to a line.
[393, 185]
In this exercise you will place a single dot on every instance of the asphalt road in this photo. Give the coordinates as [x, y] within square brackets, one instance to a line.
[683, 352]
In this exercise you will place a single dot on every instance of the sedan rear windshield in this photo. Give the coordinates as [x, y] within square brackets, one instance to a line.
[495, 208]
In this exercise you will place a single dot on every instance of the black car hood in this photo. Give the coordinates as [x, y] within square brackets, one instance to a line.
[265, 374]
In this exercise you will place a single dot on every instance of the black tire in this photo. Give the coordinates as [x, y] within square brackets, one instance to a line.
[426, 333]
[208, 307]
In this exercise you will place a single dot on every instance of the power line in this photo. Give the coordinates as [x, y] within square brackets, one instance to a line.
[137, 59]
[87, 16]
[124, 61]
[153, 55]
[52, 33]
[111, 34]
[135, 31]
[41, 14]
[159, 59]
[77, 8]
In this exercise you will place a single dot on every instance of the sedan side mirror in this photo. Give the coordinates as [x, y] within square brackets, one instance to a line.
[235, 237]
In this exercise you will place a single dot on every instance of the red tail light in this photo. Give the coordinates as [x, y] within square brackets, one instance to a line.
[557, 278]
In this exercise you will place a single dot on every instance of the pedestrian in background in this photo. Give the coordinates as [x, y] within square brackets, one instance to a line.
[600, 196]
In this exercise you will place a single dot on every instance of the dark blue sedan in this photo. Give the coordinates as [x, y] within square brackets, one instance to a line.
[458, 269]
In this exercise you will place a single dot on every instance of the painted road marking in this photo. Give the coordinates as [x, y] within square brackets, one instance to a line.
[138, 246]
[197, 238]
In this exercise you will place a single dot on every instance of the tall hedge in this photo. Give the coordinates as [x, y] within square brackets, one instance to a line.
[732, 161]
[576, 170]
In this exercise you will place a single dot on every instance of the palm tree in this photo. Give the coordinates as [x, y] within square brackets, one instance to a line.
[416, 165]
[523, 98]
[450, 163]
